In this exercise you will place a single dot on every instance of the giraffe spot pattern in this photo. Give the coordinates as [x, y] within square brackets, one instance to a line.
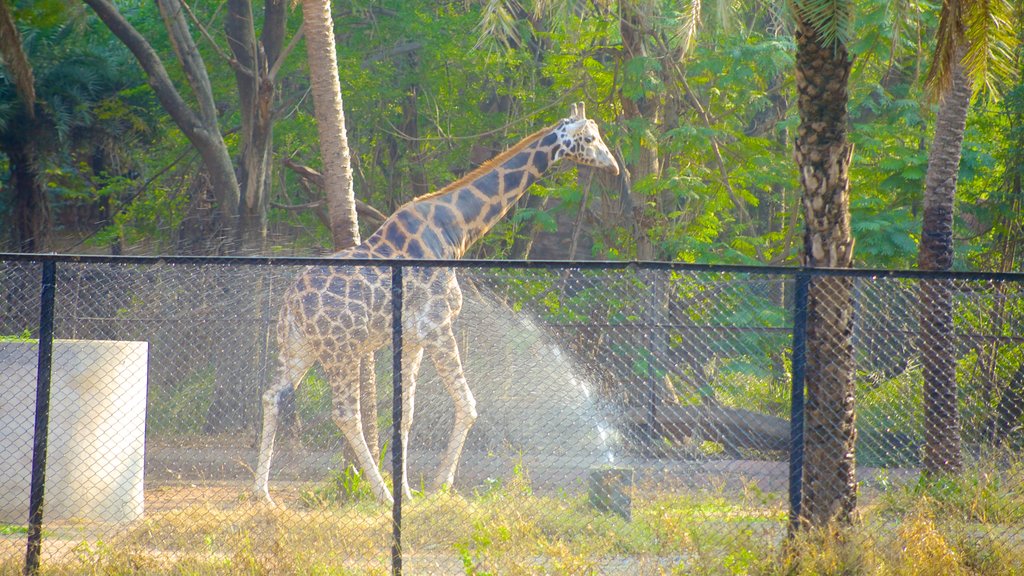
[540, 161]
[413, 249]
[513, 180]
[409, 222]
[395, 236]
[518, 161]
[468, 203]
[488, 183]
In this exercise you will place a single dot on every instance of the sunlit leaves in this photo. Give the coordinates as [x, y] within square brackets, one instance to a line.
[830, 19]
[982, 36]
[498, 24]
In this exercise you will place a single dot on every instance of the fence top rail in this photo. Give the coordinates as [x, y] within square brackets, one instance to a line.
[872, 273]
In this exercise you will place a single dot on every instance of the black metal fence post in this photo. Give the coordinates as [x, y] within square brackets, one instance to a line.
[397, 449]
[796, 412]
[42, 418]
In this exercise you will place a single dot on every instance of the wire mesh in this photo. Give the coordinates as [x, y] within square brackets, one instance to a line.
[631, 419]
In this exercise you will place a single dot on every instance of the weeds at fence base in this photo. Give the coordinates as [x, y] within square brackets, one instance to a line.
[694, 532]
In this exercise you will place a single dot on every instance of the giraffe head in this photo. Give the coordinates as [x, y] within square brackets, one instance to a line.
[580, 141]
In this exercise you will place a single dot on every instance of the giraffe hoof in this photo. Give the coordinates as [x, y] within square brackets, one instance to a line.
[261, 496]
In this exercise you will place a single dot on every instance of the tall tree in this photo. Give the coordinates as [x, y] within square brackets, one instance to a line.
[935, 252]
[48, 99]
[256, 60]
[199, 125]
[30, 206]
[974, 48]
[823, 154]
[641, 107]
[330, 116]
[337, 169]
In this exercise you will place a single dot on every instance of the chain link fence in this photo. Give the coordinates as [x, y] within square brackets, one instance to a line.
[632, 419]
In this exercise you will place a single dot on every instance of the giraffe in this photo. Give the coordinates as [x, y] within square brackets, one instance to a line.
[335, 315]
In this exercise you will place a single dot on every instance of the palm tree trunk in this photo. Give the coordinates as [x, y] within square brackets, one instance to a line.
[823, 155]
[337, 169]
[30, 210]
[941, 415]
[330, 117]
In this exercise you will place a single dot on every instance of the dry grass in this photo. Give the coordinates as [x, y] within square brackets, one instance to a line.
[509, 529]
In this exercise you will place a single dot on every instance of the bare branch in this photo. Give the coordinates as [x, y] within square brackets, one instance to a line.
[272, 75]
[364, 210]
[233, 62]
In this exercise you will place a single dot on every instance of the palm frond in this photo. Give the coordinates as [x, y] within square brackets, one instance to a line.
[830, 19]
[991, 39]
[559, 11]
[981, 36]
[724, 11]
[949, 37]
[687, 22]
[15, 60]
[497, 24]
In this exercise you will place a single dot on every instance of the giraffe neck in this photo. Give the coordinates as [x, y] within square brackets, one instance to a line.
[444, 224]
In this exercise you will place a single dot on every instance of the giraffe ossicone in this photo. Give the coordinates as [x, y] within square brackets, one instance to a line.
[336, 315]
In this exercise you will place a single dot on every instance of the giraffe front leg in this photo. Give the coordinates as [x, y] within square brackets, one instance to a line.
[444, 352]
[347, 417]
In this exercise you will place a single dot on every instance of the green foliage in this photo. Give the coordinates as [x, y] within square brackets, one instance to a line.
[25, 336]
[9, 529]
[180, 410]
[341, 487]
[886, 235]
[428, 85]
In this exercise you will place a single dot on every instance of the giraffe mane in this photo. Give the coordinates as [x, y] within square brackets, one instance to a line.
[488, 165]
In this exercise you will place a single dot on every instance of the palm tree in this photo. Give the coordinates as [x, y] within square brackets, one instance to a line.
[73, 75]
[823, 154]
[14, 59]
[974, 49]
[318, 25]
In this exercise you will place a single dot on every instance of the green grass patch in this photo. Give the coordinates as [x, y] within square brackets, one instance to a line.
[25, 336]
[8, 529]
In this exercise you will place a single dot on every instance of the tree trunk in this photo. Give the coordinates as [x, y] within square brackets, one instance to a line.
[941, 415]
[330, 118]
[256, 86]
[823, 156]
[337, 169]
[236, 372]
[12, 54]
[30, 210]
[646, 107]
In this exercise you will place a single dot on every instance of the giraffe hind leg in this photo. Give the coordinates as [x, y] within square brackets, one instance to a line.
[347, 416]
[412, 357]
[444, 352]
